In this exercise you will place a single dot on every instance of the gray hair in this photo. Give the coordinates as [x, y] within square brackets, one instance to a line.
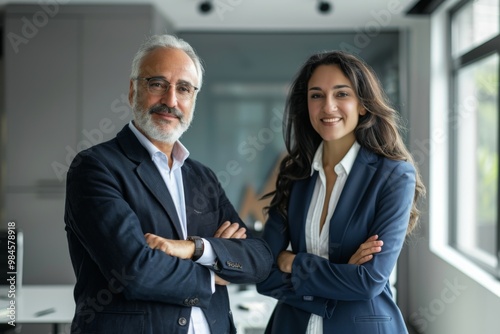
[170, 42]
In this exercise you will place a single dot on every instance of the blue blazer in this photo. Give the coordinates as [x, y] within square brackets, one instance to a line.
[115, 195]
[352, 299]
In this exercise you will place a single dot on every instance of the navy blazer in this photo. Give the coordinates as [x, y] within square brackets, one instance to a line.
[376, 199]
[115, 195]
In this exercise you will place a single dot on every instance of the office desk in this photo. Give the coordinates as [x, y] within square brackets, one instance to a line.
[251, 310]
[54, 304]
[41, 304]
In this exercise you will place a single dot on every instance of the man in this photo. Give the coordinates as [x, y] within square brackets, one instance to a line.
[149, 230]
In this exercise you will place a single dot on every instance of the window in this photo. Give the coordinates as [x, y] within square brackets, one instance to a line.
[474, 23]
[474, 126]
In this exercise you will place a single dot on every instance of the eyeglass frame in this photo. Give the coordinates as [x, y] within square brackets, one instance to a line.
[169, 85]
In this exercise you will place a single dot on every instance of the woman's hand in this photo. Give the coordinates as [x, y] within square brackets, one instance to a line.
[364, 254]
[366, 250]
[285, 260]
[221, 281]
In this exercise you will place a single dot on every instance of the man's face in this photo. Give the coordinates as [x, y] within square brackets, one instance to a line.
[164, 117]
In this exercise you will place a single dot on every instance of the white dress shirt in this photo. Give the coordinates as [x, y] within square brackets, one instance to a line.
[173, 180]
[316, 241]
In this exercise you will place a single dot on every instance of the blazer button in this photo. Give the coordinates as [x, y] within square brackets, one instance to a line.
[182, 321]
[186, 302]
[196, 301]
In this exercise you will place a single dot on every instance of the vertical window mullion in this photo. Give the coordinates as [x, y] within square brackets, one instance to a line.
[498, 183]
[474, 124]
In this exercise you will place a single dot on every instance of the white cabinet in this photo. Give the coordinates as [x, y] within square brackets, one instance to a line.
[66, 82]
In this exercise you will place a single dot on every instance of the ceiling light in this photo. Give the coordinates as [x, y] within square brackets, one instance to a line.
[324, 7]
[205, 7]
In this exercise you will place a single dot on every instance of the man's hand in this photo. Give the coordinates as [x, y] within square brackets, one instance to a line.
[183, 249]
[366, 250]
[231, 230]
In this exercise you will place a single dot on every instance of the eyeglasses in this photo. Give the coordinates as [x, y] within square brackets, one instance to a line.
[159, 86]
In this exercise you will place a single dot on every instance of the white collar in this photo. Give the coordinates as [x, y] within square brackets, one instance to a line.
[347, 161]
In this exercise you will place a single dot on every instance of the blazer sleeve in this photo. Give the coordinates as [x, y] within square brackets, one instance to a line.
[110, 232]
[242, 261]
[314, 276]
[278, 284]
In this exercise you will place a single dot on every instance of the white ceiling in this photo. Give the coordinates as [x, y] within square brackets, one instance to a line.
[276, 15]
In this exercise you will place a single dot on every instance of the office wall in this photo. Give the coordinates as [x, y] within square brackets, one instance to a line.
[442, 296]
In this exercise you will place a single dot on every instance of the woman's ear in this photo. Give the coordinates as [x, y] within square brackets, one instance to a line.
[362, 111]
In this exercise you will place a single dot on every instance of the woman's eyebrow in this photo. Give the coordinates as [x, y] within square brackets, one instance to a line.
[334, 87]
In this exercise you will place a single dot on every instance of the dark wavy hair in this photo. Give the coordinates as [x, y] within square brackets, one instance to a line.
[378, 130]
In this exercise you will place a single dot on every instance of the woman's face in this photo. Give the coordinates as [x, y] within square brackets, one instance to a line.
[334, 108]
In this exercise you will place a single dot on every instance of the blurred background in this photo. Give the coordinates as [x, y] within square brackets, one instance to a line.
[64, 78]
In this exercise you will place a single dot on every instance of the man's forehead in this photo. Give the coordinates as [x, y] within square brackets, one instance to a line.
[161, 62]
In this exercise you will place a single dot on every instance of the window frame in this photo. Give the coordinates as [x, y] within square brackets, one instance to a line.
[473, 55]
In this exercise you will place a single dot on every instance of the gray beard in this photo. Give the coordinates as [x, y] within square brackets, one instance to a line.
[144, 120]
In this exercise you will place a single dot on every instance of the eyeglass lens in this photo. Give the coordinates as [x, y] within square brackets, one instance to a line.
[158, 86]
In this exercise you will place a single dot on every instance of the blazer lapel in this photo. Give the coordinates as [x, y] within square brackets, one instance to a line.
[357, 182]
[298, 208]
[149, 174]
[197, 205]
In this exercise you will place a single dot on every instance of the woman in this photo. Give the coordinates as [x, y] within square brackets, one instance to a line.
[347, 176]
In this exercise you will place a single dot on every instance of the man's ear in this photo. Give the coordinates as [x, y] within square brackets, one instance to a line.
[131, 93]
